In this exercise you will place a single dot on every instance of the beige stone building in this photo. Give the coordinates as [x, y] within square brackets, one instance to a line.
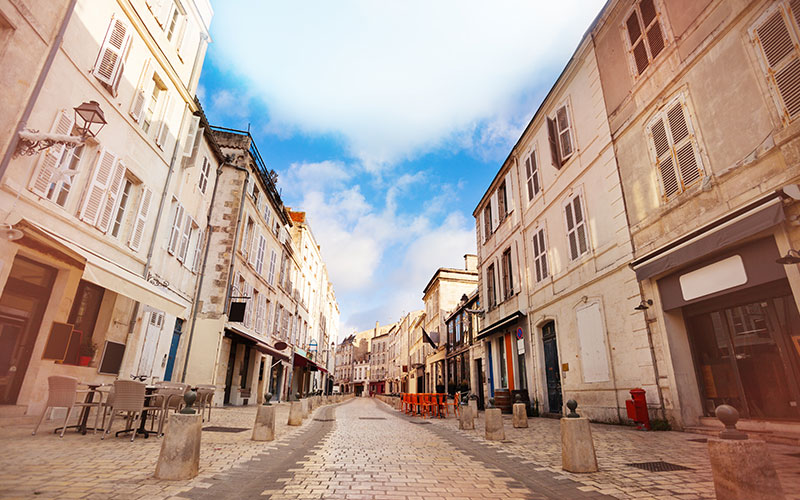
[702, 106]
[93, 268]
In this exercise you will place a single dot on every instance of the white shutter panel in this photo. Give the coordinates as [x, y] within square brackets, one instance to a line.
[198, 250]
[686, 156]
[272, 262]
[97, 187]
[175, 233]
[260, 315]
[780, 55]
[161, 10]
[662, 148]
[110, 202]
[188, 145]
[483, 227]
[495, 215]
[185, 237]
[141, 220]
[40, 183]
[109, 60]
[143, 90]
[262, 243]
[509, 194]
[252, 249]
[268, 323]
[163, 128]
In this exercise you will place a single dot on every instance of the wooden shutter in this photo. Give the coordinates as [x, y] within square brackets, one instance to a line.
[143, 90]
[191, 134]
[664, 161]
[188, 41]
[268, 321]
[685, 145]
[175, 233]
[573, 243]
[141, 220]
[780, 56]
[198, 250]
[185, 237]
[259, 260]
[163, 127]
[564, 129]
[509, 194]
[259, 325]
[109, 60]
[160, 10]
[580, 224]
[655, 38]
[495, 213]
[112, 193]
[97, 187]
[553, 140]
[40, 183]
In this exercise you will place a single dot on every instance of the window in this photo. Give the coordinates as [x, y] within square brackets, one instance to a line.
[278, 313]
[244, 246]
[199, 245]
[204, 175]
[58, 164]
[172, 23]
[559, 132]
[85, 311]
[176, 230]
[141, 219]
[490, 286]
[151, 110]
[539, 256]
[258, 300]
[576, 227]
[501, 201]
[674, 147]
[775, 36]
[189, 226]
[532, 175]
[119, 218]
[645, 35]
[273, 258]
[102, 191]
[487, 221]
[110, 61]
[508, 278]
[262, 246]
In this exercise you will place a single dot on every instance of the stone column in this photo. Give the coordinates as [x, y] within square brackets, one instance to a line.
[180, 447]
[494, 425]
[577, 447]
[473, 405]
[295, 413]
[520, 419]
[742, 467]
[465, 420]
[264, 427]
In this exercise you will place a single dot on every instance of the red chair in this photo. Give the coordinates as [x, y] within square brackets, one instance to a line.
[454, 404]
[428, 405]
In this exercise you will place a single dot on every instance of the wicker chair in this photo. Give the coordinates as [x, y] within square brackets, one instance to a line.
[205, 398]
[129, 397]
[62, 392]
[171, 398]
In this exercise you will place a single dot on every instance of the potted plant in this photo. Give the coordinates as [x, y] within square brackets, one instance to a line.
[86, 353]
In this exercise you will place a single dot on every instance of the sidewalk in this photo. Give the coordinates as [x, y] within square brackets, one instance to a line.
[616, 446]
[46, 466]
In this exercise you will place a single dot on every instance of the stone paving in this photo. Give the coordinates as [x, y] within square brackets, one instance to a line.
[540, 445]
[46, 466]
[365, 449]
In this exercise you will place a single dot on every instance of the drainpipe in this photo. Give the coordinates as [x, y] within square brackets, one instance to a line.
[199, 285]
[37, 88]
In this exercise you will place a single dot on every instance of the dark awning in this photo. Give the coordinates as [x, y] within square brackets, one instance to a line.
[494, 327]
[747, 221]
[257, 343]
[300, 360]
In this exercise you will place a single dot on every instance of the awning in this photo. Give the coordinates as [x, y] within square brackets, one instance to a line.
[302, 360]
[259, 344]
[114, 277]
[494, 327]
[733, 227]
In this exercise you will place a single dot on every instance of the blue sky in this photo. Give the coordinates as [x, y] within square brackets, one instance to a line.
[386, 121]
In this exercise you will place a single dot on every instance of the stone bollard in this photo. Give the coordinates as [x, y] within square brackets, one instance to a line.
[295, 413]
[742, 467]
[264, 428]
[473, 405]
[577, 447]
[494, 423]
[180, 448]
[465, 420]
[311, 403]
[520, 418]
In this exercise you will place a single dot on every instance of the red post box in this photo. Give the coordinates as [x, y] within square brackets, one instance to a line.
[637, 409]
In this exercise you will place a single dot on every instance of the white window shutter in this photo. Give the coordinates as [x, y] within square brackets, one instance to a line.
[163, 128]
[185, 237]
[188, 145]
[272, 263]
[161, 10]
[780, 57]
[495, 215]
[198, 251]
[175, 233]
[662, 148]
[509, 194]
[98, 185]
[141, 219]
[269, 317]
[112, 50]
[110, 202]
[262, 243]
[40, 183]
[139, 101]
[252, 249]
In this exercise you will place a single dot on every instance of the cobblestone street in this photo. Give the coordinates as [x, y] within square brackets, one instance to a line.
[365, 449]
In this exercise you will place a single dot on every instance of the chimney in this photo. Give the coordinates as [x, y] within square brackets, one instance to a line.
[471, 262]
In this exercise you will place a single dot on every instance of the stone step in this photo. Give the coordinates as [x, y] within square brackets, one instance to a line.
[789, 438]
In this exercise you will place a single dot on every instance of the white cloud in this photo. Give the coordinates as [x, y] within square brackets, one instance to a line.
[394, 79]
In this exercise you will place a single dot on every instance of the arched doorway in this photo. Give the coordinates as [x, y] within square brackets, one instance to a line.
[552, 370]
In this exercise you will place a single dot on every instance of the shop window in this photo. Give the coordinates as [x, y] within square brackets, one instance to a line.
[85, 309]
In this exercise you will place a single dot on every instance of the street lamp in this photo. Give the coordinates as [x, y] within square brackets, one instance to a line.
[89, 120]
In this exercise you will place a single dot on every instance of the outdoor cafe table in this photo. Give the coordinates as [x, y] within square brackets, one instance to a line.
[84, 418]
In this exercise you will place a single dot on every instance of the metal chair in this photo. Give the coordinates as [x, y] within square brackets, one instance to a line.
[205, 398]
[61, 393]
[171, 398]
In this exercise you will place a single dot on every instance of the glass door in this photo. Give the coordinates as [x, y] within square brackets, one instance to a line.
[747, 354]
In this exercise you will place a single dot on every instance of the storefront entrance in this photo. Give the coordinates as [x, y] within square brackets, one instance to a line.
[552, 370]
[746, 349]
[22, 305]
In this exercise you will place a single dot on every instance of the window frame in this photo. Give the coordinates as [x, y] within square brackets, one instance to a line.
[533, 181]
[541, 265]
[636, 10]
[507, 266]
[491, 286]
[569, 201]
